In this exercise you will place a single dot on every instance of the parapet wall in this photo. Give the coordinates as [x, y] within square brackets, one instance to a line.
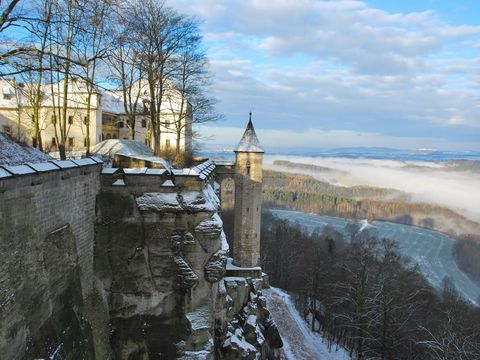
[47, 216]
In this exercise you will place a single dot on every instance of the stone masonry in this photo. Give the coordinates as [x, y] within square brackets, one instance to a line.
[248, 199]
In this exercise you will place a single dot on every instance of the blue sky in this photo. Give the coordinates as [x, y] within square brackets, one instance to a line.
[402, 74]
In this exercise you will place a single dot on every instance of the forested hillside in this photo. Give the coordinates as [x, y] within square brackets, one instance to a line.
[467, 255]
[359, 292]
[304, 193]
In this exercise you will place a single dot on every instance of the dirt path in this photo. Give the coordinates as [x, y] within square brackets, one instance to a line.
[299, 342]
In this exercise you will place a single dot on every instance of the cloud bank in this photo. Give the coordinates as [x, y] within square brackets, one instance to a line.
[427, 182]
[343, 66]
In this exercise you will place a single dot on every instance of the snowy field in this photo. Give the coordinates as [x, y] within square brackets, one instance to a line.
[299, 343]
[430, 249]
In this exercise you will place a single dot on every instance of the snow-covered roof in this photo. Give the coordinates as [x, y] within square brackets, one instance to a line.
[112, 102]
[108, 148]
[14, 94]
[13, 153]
[249, 141]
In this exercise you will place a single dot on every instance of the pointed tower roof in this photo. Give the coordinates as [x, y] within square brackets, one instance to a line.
[249, 141]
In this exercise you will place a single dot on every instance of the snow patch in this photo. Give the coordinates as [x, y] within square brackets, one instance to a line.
[298, 341]
[13, 153]
[158, 202]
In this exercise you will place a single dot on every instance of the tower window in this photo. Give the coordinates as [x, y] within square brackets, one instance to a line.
[85, 120]
[70, 120]
[121, 125]
[54, 142]
[71, 141]
[248, 167]
[144, 123]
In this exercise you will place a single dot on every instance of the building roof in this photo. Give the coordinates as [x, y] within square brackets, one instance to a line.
[249, 141]
[14, 153]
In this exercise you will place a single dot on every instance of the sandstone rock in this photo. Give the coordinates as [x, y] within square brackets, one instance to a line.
[215, 268]
[186, 276]
[208, 233]
[158, 202]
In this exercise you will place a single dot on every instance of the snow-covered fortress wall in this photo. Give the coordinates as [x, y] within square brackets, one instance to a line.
[122, 263]
[47, 216]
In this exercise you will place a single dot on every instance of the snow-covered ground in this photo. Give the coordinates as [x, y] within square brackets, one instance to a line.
[299, 343]
[431, 250]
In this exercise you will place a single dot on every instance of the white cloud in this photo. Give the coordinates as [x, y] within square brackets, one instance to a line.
[275, 140]
[344, 65]
[427, 183]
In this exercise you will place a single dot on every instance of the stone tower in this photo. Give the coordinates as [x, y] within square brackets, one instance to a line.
[248, 199]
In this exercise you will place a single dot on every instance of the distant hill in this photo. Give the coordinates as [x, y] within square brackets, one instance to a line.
[304, 193]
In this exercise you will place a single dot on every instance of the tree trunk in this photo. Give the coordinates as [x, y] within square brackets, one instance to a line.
[61, 149]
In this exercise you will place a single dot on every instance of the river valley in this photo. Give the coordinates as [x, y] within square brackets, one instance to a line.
[431, 250]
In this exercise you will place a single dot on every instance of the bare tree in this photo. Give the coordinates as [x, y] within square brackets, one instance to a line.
[63, 46]
[92, 48]
[189, 103]
[158, 31]
[126, 70]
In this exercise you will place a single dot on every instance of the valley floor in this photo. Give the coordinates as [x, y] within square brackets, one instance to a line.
[299, 343]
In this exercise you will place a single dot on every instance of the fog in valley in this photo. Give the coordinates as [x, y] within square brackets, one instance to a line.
[440, 183]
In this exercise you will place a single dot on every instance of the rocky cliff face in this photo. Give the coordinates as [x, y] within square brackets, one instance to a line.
[160, 260]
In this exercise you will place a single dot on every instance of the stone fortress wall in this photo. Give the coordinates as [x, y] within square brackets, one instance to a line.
[47, 216]
[121, 263]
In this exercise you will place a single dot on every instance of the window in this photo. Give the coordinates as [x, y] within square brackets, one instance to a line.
[70, 120]
[144, 123]
[109, 136]
[248, 167]
[248, 210]
[7, 129]
[71, 142]
[85, 120]
[121, 124]
[114, 136]
[33, 118]
[54, 142]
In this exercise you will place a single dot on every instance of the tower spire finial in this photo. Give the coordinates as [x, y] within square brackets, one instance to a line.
[250, 116]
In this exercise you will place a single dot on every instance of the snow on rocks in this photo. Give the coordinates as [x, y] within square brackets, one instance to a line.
[225, 246]
[215, 267]
[252, 333]
[186, 276]
[206, 200]
[158, 202]
[208, 231]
